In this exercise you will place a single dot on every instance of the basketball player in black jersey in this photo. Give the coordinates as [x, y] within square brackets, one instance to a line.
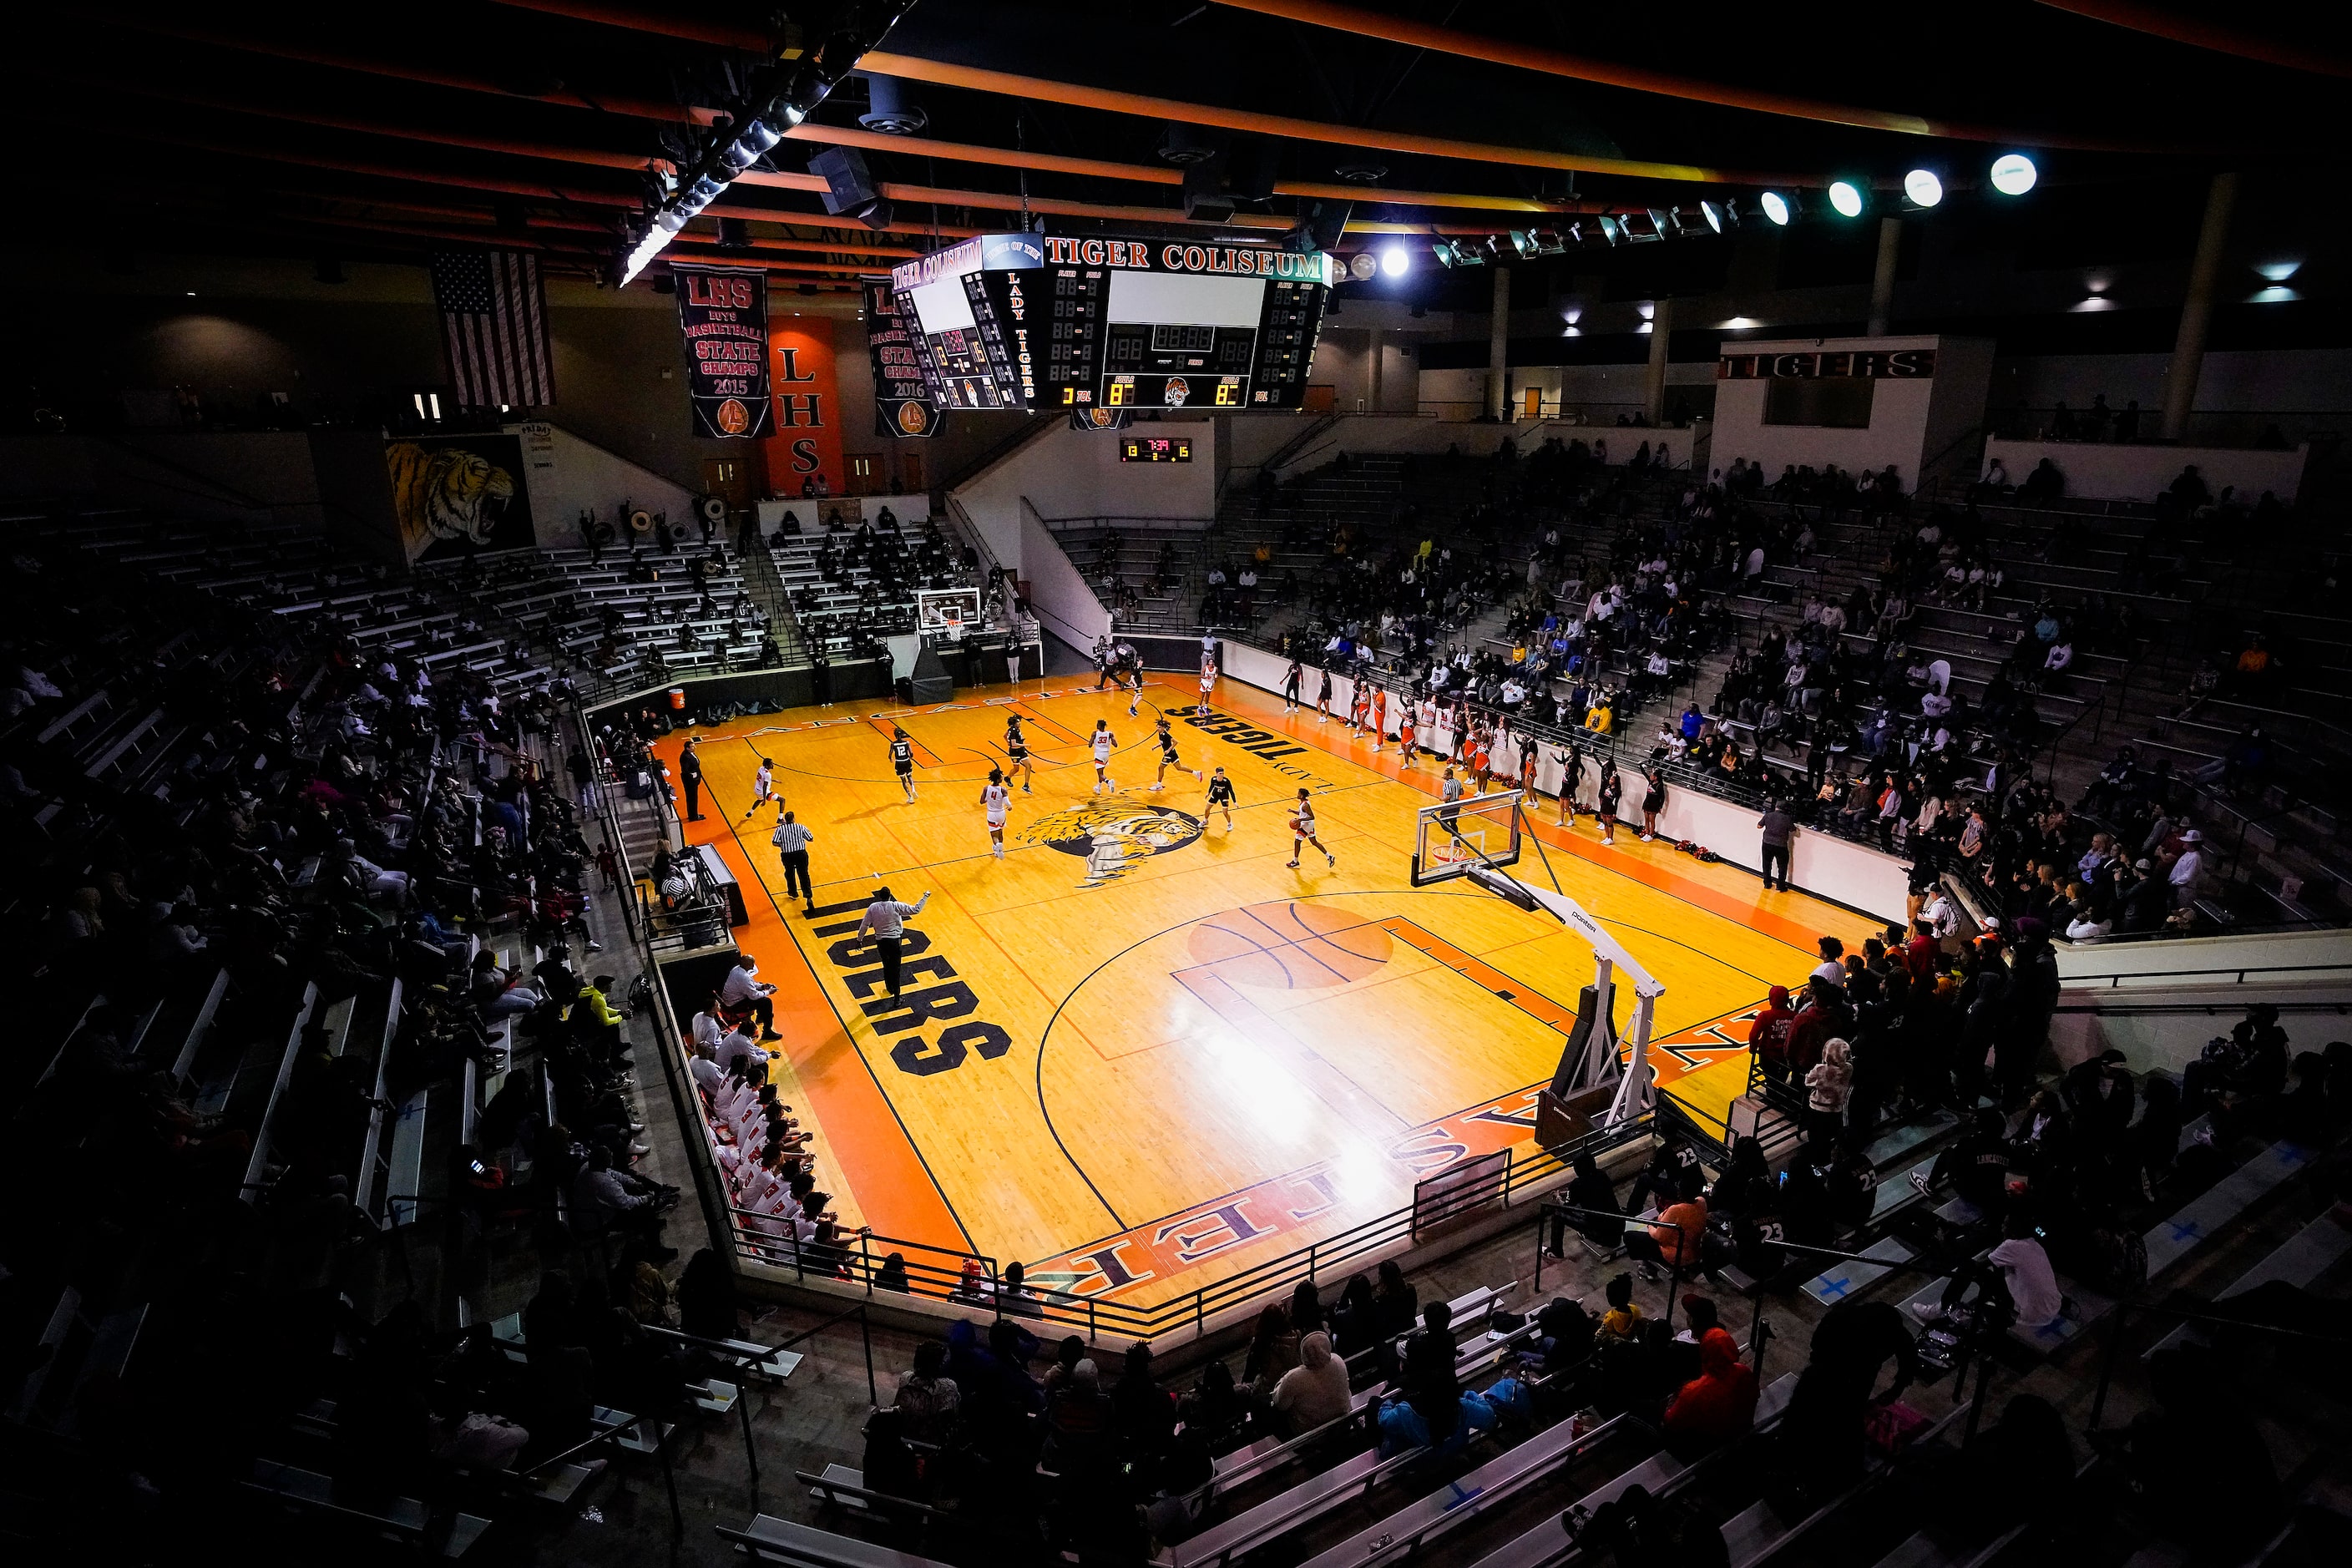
[902, 758]
[1290, 679]
[1167, 738]
[1323, 697]
[1016, 751]
[1221, 796]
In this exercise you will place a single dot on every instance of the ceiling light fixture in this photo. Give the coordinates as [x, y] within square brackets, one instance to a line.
[786, 97]
[2013, 174]
[1776, 207]
[1923, 188]
[1846, 197]
[1395, 262]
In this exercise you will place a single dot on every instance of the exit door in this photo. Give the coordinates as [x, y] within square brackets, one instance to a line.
[1531, 405]
[728, 479]
[910, 473]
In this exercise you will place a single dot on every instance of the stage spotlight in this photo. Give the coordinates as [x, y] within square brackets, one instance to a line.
[2013, 174]
[1717, 217]
[1846, 197]
[1922, 186]
[1395, 262]
[1776, 207]
[1523, 243]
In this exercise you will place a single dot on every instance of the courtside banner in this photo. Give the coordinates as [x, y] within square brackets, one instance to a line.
[902, 401]
[723, 313]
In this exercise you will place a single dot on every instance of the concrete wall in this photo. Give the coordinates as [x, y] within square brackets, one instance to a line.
[2107, 472]
[1065, 603]
[1078, 473]
[203, 475]
[571, 475]
[1910, 419]
[2160, 1002]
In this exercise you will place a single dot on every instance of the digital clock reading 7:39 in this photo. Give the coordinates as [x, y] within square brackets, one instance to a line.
[1156, 449]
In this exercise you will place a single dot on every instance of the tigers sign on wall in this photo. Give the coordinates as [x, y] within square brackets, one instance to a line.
[456, 495]
[723, 314]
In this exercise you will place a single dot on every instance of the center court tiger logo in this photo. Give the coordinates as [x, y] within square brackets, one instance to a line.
[1113, 835]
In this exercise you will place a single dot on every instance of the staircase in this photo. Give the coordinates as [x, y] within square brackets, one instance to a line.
[767, 591]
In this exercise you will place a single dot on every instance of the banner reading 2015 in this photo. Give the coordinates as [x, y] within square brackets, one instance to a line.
[723, 313]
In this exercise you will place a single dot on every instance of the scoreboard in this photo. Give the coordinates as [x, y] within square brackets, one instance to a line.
[1048, 322]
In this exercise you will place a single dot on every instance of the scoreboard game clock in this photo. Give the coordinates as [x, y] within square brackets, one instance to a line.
[1046, 323]
[1155, 450]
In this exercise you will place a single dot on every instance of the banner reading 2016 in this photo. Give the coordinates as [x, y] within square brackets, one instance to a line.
[723, 313]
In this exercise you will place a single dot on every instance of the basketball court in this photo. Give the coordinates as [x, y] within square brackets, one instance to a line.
[1140, 1052]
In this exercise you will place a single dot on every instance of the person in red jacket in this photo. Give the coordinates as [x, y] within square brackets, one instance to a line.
[1768, 1036]
[1920, 953]
[1825, 1016]
[1716, 1406]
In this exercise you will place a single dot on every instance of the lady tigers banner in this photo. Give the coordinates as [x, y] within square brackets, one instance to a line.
[723, 313]
[803, 451]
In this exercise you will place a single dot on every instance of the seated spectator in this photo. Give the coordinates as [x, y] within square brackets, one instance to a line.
[1315, 1392]
[1715, 1406]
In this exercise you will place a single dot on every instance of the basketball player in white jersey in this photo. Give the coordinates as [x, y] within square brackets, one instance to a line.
[1302, 831]
[1016, 751]
[764, 788]
[902, 759]
[1104, 742]
[995, 800]
[1167, 739]
[1208, 681]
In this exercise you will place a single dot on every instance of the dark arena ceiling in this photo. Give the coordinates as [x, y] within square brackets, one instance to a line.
[360, 133]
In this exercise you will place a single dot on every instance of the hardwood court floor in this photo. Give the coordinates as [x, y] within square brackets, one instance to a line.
[1142, 1069]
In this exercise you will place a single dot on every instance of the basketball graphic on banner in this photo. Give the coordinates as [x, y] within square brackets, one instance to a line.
[914, 419]
[732, 418]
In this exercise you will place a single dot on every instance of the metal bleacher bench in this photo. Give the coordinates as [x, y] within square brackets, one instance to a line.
[2166, 1243]
[771, 1540]
[405, 1517]
[1497, 1480]
[1550, 1541]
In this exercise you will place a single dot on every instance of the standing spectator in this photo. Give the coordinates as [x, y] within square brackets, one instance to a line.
[1653, 801]
[1776, 827]
[1829, 1085]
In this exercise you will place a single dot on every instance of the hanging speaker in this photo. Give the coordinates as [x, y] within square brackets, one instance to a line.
[848, 185]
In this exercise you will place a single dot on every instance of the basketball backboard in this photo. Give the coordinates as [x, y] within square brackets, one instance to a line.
[1450, 839]
[950, 613]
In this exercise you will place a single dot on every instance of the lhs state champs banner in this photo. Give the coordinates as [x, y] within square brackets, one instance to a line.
[723, 313]
[902, 402]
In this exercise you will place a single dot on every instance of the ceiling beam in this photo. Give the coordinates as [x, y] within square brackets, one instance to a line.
[977, 78]
[997, 201]
[844, 136]
[1636, 78]
[2173, 27]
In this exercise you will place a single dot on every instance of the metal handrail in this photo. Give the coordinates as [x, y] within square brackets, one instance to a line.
[853, 1258]
[2240, 971]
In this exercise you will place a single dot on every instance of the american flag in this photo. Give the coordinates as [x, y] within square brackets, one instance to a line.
[494, 323]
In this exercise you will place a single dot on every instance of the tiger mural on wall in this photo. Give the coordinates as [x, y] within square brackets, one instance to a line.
[449, 494]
